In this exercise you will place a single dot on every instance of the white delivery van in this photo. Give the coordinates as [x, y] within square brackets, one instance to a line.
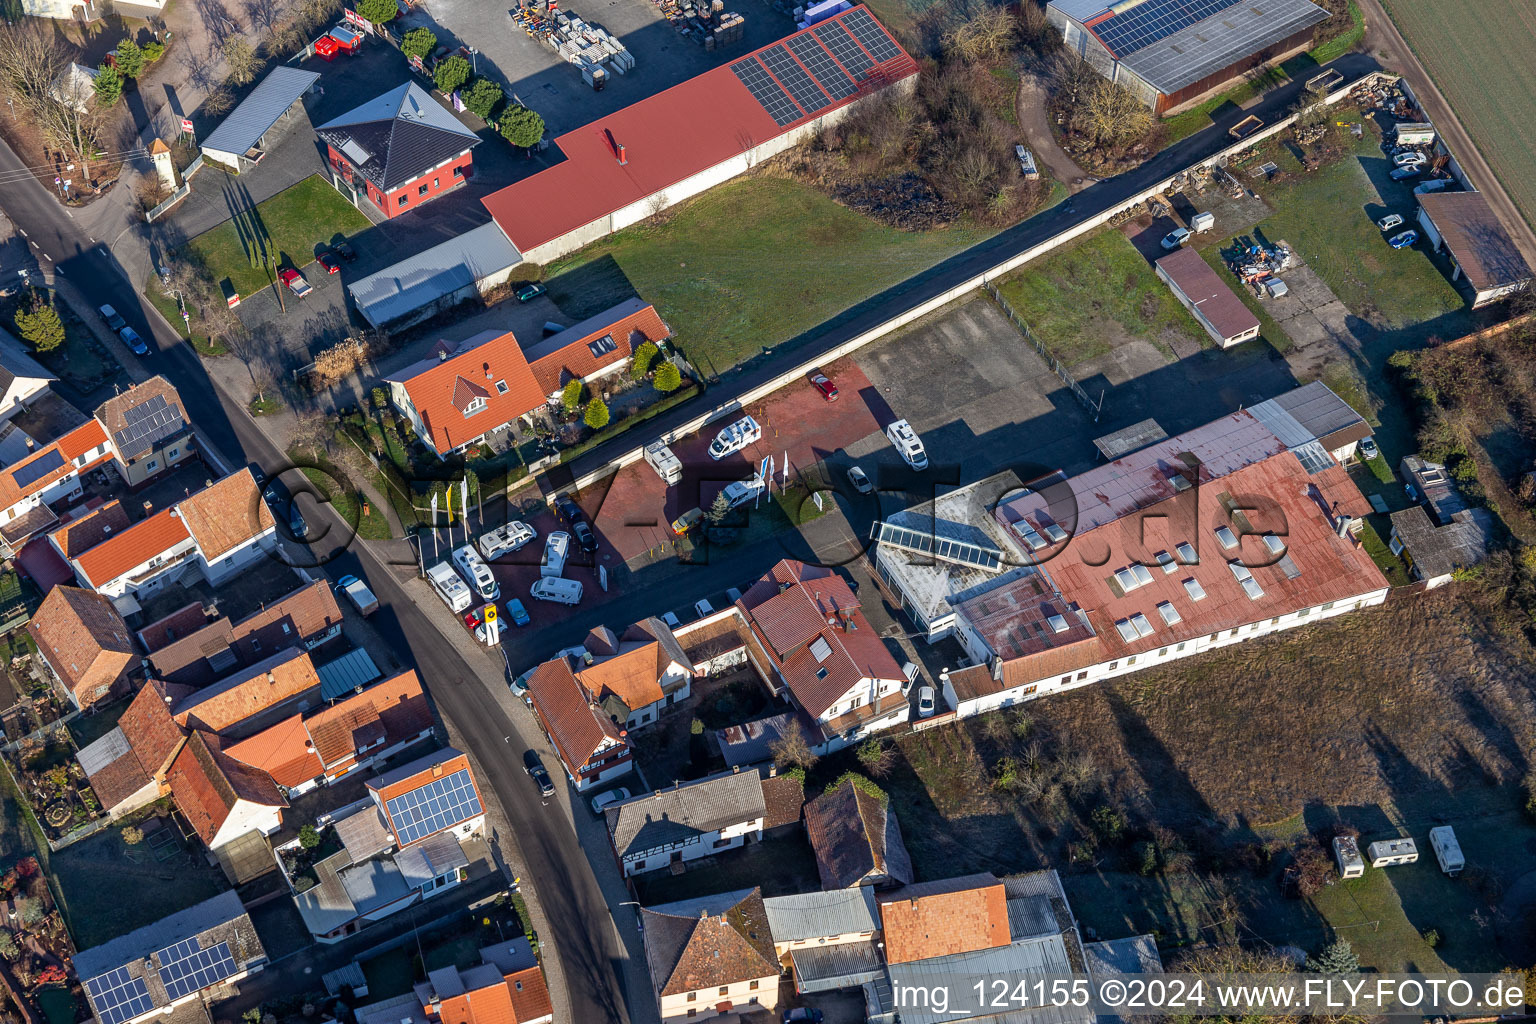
[908, 444]
[362, 598]
[476, 573]
[556, 546]
[449, 587]
[1447, 850]
[740, 492]
[506, 539]
[552, 588]
[735, 437]
[667, 465]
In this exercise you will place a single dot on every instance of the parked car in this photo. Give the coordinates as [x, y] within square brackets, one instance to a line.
[295, 281]
[925, 702]
[1404, 173]
[585, 538]
[1409, 159]
[529, 292]
[534, 766]
[1368, 449]
[133, 341]
[345, 251]
[803, 1015]
[112, 318]
[703, 607]
[330, 261]
[859, 480]
[687, 521]
[483, 633]
[1403, 240]
[613, 796]
[359, 594]
[1176, 238]
[517, 613]
[568, 511]
[296, 524]
[1390, 221]
[822, 383]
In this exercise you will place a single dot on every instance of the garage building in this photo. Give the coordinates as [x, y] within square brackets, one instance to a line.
[1216, 306]
[1466, 227]
[259, 119]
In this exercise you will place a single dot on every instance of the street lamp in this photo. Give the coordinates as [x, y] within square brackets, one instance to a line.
[473, 53]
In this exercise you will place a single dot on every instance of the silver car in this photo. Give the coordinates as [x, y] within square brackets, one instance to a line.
[859, 480]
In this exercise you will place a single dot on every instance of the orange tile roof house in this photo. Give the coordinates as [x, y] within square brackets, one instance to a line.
[636, 674]
[89, 527]
[932, 919]
[151, 433]
[49, 475]
[126, 766]
[711, 956]
[506, 987]
[308, 617]
[83, 642]
[856, 838]
[593, 748]
[467, 389]
[216, 533]
[221, 798]
[252, 697]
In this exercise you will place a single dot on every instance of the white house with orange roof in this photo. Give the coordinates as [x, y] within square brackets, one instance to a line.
[49, 474]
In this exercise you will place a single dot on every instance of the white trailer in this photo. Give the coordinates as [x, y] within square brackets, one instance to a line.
[556, 547]
[449, 587]
[667, 465]
[1388, 853]
[1415, 133]
[1447, 850]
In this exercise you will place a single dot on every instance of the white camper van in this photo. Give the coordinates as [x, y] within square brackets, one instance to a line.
[552, 588]
[449, 587]
[476, 573]
[908, 444]
[556, 546]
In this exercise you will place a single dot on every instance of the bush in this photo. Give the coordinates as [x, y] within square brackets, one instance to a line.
[696, 727]
[876, 757]
[380, 398]
[108, 85]
[132, 836]
[41, 326]
[596, 415]
[522, 127]
[419, 42]
[570, 397]
[668, 378]
[309, 837]
[1432, 938]
[1530, 795]
[153, 51]
[380, 12]
[1145, 857]
[450, 74]
[1336, 958]
[482, 98]
[1108, 824]
[645, 355]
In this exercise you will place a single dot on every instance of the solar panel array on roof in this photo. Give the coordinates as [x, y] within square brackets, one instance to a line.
[821, 65]
[941, 548]
[38, 468]
[793, 77]
[439, 804]
[186, 967]
[766, 91]
[1146, 23]
[871, 36]
[836, 39]
[118, 996]
[147, 424]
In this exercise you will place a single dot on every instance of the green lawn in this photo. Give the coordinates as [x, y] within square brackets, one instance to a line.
[295, 224]
[748, 265]
[1095, 295]
[1391, 566]
[1369, 913]
[348, 503]
[1345, 41]
[168, 308]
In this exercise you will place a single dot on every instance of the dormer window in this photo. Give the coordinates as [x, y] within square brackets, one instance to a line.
[476, 404]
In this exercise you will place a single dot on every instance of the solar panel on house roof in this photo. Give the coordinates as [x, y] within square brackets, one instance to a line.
[873, 38]
[186, 967]
[821, 66]
[439, 804]
[793, 77]
[836, 39]
[1146, 23]
[942, 548]
[119, 997]
[146, 424]
[38, 468]
[766, 91]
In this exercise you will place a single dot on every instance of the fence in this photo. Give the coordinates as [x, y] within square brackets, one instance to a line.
[179, 194]
[1094, 408]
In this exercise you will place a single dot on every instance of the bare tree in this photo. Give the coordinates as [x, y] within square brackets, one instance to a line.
[1109, 114]
[262, 13]
[311, 430]
[240, 57]
[986, 37]
[793, 749]
[76, 132]
[30, 60]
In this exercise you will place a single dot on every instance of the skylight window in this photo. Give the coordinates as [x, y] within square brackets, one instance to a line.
[1186, 552]
[1251, 586]
[1143, 576]
[820, 649]
[1125, 579]
[501, 387]
[1226, 536]
[1194, 589]
[1030, 537]
[1240, 571]
[1165, 560]
[1054, 532]
[1127, 631]
[602, 346]
[1169, 613]
[1275, 545]
[1143, 627]
[1059, 623]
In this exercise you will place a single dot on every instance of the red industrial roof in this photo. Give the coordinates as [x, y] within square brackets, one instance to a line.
[1204, 289]
[666, 138]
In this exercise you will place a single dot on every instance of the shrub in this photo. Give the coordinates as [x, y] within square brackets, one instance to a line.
[8, 947]
[1145, 854]
[130, 59]
[861, 783]
[1108, 823]
[309, 837]
[483, 97]
[450, 74]
[1006, 774]
[596, 415]
[570, 397]
[41, 326]
[668, 378]
[380, 12]
[108, 85]
[876, 757]
[380, 398]
[1336, 958]
[419, 42]
[522, 127]
[696, 727]
[1432, 938]
[645, 355]
[1530, 794]
[132, 836]
[153, 51]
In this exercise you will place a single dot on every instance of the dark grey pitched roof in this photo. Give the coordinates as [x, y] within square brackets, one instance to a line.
[394, 138]
[676, 815]
[855, 836]
[211, 915]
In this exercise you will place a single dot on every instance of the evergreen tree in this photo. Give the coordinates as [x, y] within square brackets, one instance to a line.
[482, 98]
[719, 509]
[130, 59]
[1336, 958]
[419, 42]
[41, 326]
[522, 127]
[597, 414]
[451, 74]
[668, 378]
[108, 85]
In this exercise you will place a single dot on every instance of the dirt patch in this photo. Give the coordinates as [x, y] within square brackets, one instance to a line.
[903, 201]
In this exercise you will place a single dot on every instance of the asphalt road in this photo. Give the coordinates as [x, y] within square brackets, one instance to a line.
[578, 915]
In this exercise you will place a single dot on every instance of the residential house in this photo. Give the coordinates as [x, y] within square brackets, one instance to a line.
[784, 802]
[956, 915]
[190, 959]
[465, 390]
[22, 378]
[214, 533]
[593, 748]
[1481, 249]
[1442, 534]
[1237, 529]
[305, 618]
[827, 939]
[506, 987]
[221, 798]
[401, 149]
[686, 822]
[247, 700]
[711, 956]
[86, 526]
[151, 433]
[856, 838]
[403, 847]
[127, 765]
[824, 654]
[83, 642]
[43, 476]
[636, 675]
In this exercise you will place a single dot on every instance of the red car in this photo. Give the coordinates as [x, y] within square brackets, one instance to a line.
[329, 261]
[821, 383]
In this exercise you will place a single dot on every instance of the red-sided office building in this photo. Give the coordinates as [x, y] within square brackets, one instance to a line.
[403, 148]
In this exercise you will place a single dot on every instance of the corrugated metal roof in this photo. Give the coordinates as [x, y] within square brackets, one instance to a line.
[347, 673]
[430, 275]
[827, 968]
[1080, 10]
[1017, 962]
[1219, 41]
[259, 111]
[822, 915]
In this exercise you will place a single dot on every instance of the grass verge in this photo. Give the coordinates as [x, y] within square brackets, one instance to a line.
[294, 225]
[748, 265]
[166, 304]
[348, 502]
[1390, 565]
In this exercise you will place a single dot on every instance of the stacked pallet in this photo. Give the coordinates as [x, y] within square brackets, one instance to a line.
[706, 22]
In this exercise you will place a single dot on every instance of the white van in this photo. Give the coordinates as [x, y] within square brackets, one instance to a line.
[505, 539]
[556, 546]
[449, 587]
[552, 588]
[476, 573]
[908, 444]
[735, 437]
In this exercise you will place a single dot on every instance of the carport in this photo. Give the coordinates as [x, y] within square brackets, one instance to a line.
[272, 106]
[458, 269]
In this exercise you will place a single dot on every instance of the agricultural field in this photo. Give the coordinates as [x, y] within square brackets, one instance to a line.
[1479, 54]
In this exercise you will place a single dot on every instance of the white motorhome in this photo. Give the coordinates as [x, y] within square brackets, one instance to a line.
[735, 437]
[740, 492]
[505, 539]
[906, 441]
[476, 573]
[551, 588]
[556, 546]
[449, 587]
[667, 465]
